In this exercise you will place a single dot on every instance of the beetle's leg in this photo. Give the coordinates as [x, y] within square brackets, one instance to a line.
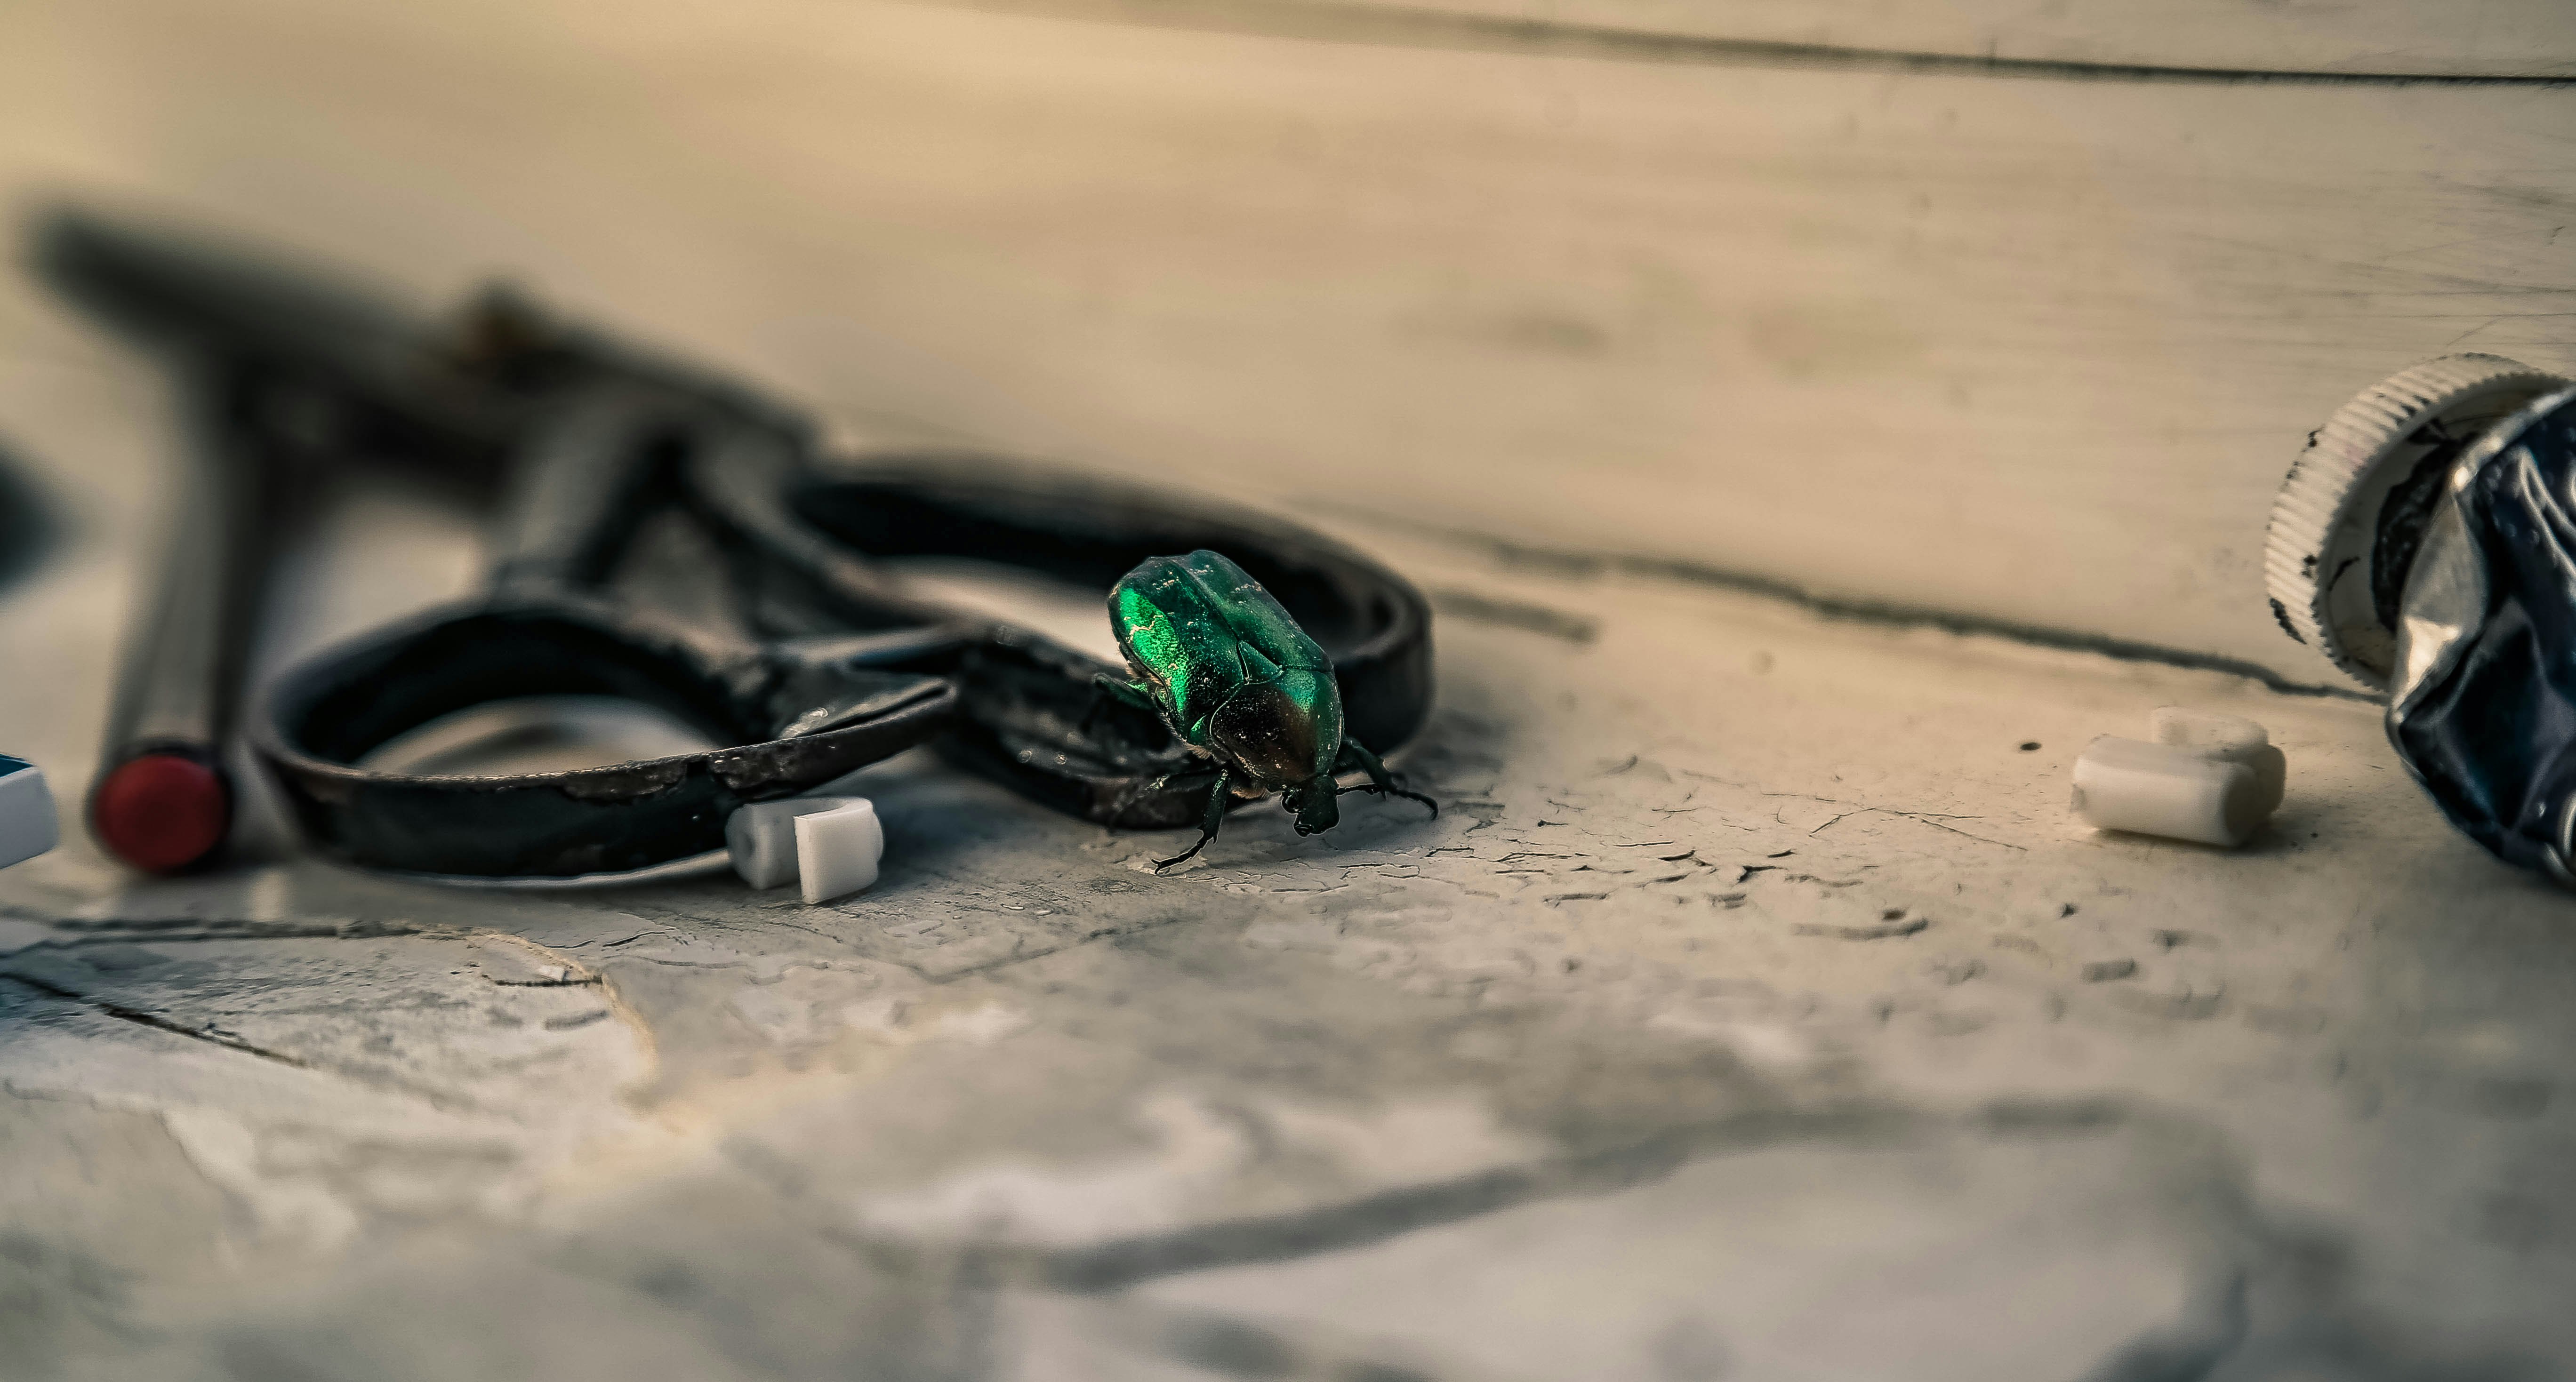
[1381, 781]
[1207, 824]
[1126, 693]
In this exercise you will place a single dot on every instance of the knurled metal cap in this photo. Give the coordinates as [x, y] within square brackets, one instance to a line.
[2371, 472]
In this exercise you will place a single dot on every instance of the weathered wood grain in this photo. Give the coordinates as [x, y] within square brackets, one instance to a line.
[2024, 350]
[2066, 39]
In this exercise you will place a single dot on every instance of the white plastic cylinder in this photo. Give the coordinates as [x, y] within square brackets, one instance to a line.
[2178, 792]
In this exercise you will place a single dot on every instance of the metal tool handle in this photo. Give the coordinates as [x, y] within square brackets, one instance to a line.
[578, 490]
[162, 799]
[181, 673]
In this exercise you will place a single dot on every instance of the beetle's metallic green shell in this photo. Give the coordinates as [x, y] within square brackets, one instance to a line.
[1231, 669]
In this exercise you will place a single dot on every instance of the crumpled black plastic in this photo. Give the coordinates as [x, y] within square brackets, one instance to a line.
[2487, 724]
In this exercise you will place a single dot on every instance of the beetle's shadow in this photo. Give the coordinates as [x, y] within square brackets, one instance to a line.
[941, 821]
[1457, 760]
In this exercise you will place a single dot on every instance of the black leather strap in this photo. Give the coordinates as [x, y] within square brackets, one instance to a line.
[801, 546]
[787, 724]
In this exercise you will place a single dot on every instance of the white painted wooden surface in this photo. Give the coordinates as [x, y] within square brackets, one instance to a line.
[1732, 1020]
[1583, 1079]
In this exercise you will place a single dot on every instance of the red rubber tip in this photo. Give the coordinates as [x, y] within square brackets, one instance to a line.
[160, 812]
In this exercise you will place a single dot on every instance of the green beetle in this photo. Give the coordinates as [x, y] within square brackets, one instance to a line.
[1227, 667]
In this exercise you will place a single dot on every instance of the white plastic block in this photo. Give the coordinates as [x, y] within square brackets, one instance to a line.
[27, 826]
[831, 845]
[2165, 789]
[837, 851]
[2231, 737]
[2172, 790]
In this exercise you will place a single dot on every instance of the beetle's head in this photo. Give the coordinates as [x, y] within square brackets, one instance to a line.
[1313, 803]
[1283, 734]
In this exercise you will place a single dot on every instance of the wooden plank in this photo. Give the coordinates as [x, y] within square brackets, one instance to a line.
[2029, 351]
[2476, 38]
